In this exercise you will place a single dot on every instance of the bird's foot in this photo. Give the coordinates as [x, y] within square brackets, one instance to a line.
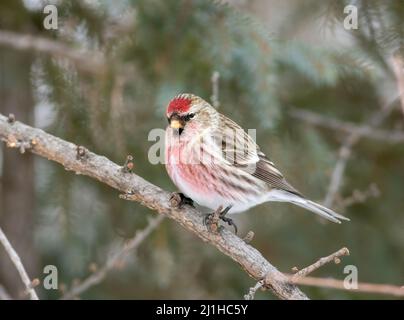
[211, 220]
[230, 222]
[178, 199]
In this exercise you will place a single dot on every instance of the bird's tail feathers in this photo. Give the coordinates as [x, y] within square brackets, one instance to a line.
[284, 196]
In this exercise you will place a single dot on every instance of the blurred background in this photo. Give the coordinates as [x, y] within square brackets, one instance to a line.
[280, 63]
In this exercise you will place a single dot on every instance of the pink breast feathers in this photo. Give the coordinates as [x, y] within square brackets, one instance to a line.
[187, 175]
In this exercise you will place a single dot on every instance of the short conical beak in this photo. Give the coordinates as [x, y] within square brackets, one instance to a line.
[176, 122]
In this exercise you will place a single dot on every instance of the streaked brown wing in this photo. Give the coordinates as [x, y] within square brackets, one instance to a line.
[266, 171]
[239, 149]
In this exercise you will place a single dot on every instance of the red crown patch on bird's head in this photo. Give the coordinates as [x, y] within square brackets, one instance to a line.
[180, 104]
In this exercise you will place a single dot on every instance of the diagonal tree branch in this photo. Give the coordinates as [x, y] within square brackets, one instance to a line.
[84, 162]
[116, 256]
[18, 265]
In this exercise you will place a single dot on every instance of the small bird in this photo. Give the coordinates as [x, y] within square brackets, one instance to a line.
[214, 162]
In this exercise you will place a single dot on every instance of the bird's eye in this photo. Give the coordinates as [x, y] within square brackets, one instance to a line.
[190, 116]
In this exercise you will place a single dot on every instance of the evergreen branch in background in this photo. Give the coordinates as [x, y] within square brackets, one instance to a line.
[15, 258]
[116, 256]
[135, 188]
[92, 62]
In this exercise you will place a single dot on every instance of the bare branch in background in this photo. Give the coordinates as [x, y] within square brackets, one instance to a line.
[129, 247]
[18, 265]
[385, 289]
[344, 154]
[356, 132]
[153, 197]
[302, 273]
[345, 151]
[301, 278]
[215, 90]
[316, 119]
[92, 62]
[358, 196]
[398, 69]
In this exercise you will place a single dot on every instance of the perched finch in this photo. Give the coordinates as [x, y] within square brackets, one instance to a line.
[214, 162]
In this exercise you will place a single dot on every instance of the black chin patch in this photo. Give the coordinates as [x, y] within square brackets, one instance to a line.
[180, 130]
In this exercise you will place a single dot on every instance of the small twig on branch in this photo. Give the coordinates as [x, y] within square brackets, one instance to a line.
[128, 165]
[153, 197]
[130, 246]
[11, 118]
[249, 236]
[251, 293]
[319, 263]
[81, 153]
[18, 265]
